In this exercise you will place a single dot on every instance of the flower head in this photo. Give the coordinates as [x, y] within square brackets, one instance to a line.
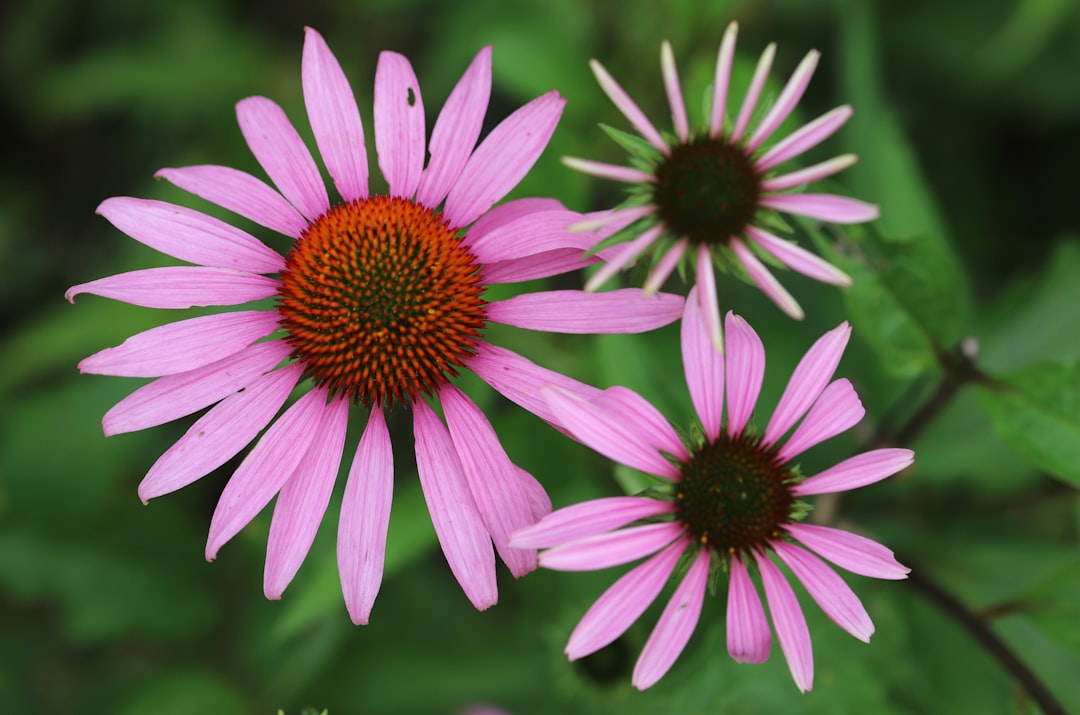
[379, 302]
[706, 193]
[725, 504]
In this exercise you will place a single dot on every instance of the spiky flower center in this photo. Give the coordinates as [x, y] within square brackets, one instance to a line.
[381, 300]
[734, 495]
[707, 190]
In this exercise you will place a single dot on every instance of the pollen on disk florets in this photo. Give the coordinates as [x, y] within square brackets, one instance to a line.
[381, 300]
[707, 190]
[734, 495]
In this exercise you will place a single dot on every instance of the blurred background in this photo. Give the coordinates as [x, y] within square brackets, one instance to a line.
[967, 123]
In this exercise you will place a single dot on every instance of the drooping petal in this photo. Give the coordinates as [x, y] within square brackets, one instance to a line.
[572, 311]
[503, 158]
[265, 469]
[539, 501]
[616, 436]
[828, 590]
[704, 368]
[300, 506]
[798, 259]
[460, 528]
[753, 92]
[612, 220]
[399, 124]
[850, 551]
[837, 410]
[240, 193]
[824, 207]
[766, 280]
[603, 170]
[629, 109]
[722, 80]
[675, 626]
[541, 265]
[748, 636]
[189, 235]
[613, 548]
[623, 602]
[809, 174]
[492, 478]
[365, 518]
[179, 287]
[182, 346]
[786, 102]
[790, 623]
[710, 309]
[281, 153]
[528, 235]
[810, 377]
[626, 253]
[173, 396]
[674, 92]
[857, 471]
[335, 118]
[220, 434]
[804, 138]
[664, 267]
[661, 435]
[596, 516]
[456, 130]
[745, 371]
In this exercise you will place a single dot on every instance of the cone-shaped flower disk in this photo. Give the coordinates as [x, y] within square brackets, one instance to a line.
[379, 302]
[705, 194]
[726, 504]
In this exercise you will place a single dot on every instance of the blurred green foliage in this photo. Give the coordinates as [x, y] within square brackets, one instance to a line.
[966, 125]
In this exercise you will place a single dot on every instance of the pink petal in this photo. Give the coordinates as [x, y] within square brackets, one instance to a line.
[623, 602]
[179, 287]
[664, 267]
[766, 280]
[612, 220]
[707, 301]
[520, 380]
[857, 471]
[596, 516]
[704, 368]
[189, 235]
[629, 109]
[302, 502]
[399, 124]
[674, 92]
[182, 346]
[173, 396]
[748, 635]
[786, 102]
[265, 469]
[798, 259]
[824, 207]
[790, 623]
[365, 518]
[527, 235]
[220, 434]
[809, 174]
[612, 172]
[850, 551]
[616, 436]
[281, 153]
[579, 312]
[753, 92]
[456, 130]
[464, 538]
[492, 478]
[810, 377]
[675, 626]
[541, 265]
[724, 60]
[613, 548]
[837, 410]
[503, 158]
[804, 138]
[828, 590]
[745, 371]
[240, 193]
[539, 501]
[662, 436]
[335, 119]
[503, 214]
[625, 254]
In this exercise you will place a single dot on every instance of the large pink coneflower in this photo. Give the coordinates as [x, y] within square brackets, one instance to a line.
[380, 302]
[707, 194]
[727, 503]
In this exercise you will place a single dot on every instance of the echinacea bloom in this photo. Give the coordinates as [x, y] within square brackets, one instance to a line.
[380, 302]
[706, 193]
[725, 504]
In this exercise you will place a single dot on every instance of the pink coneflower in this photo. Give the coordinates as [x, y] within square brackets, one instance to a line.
[724, 503]
[707, 193]
[380, 301]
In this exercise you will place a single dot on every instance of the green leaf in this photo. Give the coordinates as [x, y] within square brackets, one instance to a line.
[1037, 411]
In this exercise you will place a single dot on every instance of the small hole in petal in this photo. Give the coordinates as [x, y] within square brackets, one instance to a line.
[411, 99]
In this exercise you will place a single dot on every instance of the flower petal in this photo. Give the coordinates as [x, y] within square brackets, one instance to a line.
[790, 623]
[675, 626]
[539, 501]
[503, 214]
[281, 153]
[578, 312]
[824, 207]
[704, 368]
[596, 516]
[629, 109]
[300, 506]
[661, 435]
[541, 265]
[837, 410]
[613, 548]
[804, 138]
[798, 259]
[674, 92]
[624, 254]
[766, 280]
[399, 124]
[722, 80]
[182, 346]
[464, 538]
[809, 174]
[850, 551]
[179, 287]
[220, 434]
[748, 635]
[612, 172]
[623, 602]
[785, 103]
[365, 518]
[189, 235]
[664, 267]
[334, 117]
[745, 371]
[707, 301]
[857, 471]
[528, 235]
[753, 92]
[828, 590]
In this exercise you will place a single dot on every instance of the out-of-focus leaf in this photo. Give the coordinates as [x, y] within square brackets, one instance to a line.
[193, 692]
